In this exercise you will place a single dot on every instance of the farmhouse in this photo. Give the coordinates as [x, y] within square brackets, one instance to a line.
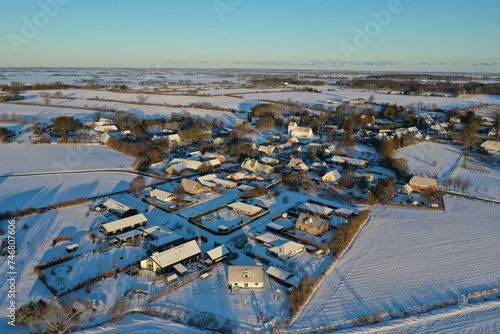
[299, 132]
[192, 187]
[119, 209]
[245, 277]
[123, 225]
[164, 262]
[491, 145]
[178, 165]
[161, 195]
[217, 254]
[311, 224]
[244, 208]
[422, 183]
[331, 176]
[286, 250]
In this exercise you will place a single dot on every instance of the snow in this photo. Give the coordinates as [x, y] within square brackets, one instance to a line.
[138, 323]
[482, 318]
[26, 158]
[34, 247]
[421, 156]
[41, 190]
[406, 257]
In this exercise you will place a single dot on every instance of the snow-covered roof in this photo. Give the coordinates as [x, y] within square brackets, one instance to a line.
[112, 204]
[287, 249]
[176, 254]
[240, 206]
[124, 223]
[422, 181]
[269, 238]
[323, 210]
[161, 194]
[166, 239]
[491, 145]
[217, 252]
[245, 274]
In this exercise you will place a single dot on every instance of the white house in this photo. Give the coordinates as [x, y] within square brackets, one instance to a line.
[245, 277]
[161, 195]
[331, 176]
[299, 131]
[287, 250]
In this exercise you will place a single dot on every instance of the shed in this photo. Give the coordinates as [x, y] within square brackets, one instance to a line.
[71, 248]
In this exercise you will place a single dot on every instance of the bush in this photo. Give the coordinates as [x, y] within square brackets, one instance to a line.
[347, 232]
[256, 192]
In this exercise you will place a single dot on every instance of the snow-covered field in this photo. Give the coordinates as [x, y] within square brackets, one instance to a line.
[80, 97]
[406, 257]
[23, 192]
[473, 319]
[138, 323]
[25, 158]
[421, 156]
[34, 247]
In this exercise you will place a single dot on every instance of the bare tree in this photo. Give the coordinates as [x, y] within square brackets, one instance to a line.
[46, 97]
[57, 318]
[140, 98]
[120, 308]
[137, 185]
[179, 195]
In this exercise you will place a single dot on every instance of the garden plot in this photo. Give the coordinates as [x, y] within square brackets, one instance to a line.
[214, 296]
[484, 178]
[66, 275]
[431, 158]
[224, 216]
[138, 323]
[34, 245]
[404, 257]
[25, 158]
[22, 192]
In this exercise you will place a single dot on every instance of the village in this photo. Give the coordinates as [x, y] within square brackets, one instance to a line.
[250, 207]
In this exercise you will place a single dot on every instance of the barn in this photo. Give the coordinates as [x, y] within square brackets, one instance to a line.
[423, 183]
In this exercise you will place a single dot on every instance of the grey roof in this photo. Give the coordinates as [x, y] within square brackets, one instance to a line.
[310, 220]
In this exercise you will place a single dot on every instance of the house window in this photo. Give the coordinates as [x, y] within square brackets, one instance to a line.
[256, 283]
[246, 285]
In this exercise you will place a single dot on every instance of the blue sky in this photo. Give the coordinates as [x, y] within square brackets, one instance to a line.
[388, 35]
